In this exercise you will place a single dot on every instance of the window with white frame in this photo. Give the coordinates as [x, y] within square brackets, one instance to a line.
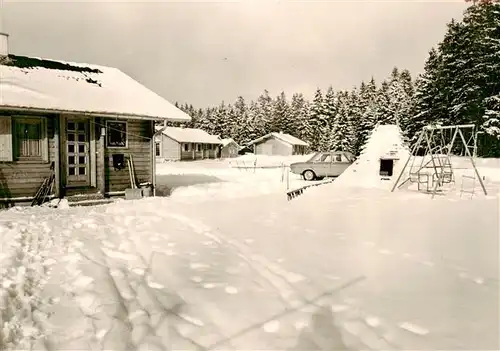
[116, 134]
[186, 147]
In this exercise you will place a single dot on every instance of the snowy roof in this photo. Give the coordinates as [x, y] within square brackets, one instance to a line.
[227, 141]
[287, 138]
[191, 135]
[57, 86]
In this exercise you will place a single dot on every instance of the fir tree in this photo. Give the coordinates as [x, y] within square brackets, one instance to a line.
[355, 118]
[396, 95]
[299, 118]
[281, 115]
[342, 132]
[240, 127]
[265, 114]
[318, 120]
[462, 77]
[330, 106]
[368, 103]
[429, 104]
[384, 113]
[255, 125]
[406, 112]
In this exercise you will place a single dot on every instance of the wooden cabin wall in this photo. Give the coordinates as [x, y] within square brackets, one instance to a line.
[21, 179]
[140, 147]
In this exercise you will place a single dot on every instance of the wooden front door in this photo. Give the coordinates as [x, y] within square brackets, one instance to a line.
[77, 152]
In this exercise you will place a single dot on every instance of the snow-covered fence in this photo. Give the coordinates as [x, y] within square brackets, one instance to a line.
[285, 175]
[299, 191]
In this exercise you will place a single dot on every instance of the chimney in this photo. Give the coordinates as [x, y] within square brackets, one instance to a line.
[4, 44]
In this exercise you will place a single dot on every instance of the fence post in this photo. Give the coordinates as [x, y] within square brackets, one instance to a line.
[287, 179]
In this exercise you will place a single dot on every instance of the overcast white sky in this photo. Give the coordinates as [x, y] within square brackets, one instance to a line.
[205, 52]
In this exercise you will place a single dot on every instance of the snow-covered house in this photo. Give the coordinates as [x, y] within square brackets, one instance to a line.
[280, 144]
[381, 160]
[179, 144]
[229, 148]
[77, 122]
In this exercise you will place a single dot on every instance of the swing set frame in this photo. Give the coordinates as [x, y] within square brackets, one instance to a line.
[440, 156]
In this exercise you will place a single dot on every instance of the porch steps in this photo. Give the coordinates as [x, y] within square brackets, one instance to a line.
[80, 191]
[90, 202]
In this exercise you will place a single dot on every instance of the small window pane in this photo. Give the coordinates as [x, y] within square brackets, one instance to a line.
[71, 160]
[71, 171]
[81, 148]
[81, 126]
[28, 137]
[81, 138]
[81, 160]
[81, 170]
[71, 148]
[32, 131]
[116, 134]
[71, 137]
[71, 126]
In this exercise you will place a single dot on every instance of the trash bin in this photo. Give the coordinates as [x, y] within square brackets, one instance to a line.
[147, 189]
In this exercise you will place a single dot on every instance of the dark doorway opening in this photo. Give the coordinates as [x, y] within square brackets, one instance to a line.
[386, 167]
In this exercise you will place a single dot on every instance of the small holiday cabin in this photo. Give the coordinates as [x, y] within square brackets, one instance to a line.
[76, 123]
[229, 148]
[278, 144]
[186, 144]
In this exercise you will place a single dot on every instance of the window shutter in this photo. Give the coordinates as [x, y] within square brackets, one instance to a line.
[44, 140]
[6, 139]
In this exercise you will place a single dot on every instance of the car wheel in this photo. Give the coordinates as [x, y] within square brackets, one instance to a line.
[309, 175]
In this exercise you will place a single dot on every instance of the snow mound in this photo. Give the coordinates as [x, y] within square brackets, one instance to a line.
[385, 142]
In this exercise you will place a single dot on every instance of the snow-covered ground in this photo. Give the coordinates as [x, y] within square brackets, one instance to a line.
[243, 161]
[245, 176]
[182, 272]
